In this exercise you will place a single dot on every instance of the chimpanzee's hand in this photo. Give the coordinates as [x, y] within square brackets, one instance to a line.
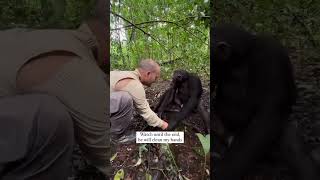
[174, 119]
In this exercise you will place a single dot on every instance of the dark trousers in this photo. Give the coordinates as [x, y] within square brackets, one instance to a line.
[121, 110]
[36, 138]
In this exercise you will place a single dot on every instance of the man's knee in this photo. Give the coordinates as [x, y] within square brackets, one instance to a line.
[121, 111]
[53, 117]
[51, 121]
[49, 139]
[120, 101]
[126, 99]
[31, 114]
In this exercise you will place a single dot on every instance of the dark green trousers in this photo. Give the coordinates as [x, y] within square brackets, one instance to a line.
[36, 138]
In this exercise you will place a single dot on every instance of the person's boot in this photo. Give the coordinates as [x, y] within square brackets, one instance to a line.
[124, 138]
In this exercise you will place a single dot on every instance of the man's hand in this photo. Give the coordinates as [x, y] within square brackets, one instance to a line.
[164, 125]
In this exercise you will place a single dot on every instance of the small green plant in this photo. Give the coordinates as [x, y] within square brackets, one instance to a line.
[148, 176]
[172, 167]
[205, 142]
[142, 148]
[119, 175]
[113, 157]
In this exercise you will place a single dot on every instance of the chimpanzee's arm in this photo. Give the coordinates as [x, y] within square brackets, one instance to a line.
[195, 95]
[269, 89]
[204, 115]
[195, 91]
[247, 148]
[164, 101]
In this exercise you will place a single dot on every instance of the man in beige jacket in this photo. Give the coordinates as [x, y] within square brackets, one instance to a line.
[127, 91]
[52, 88]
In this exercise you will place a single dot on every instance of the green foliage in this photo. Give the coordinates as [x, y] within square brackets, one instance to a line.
[114, 157]
[172, 167]
[173, 32]
[295, 22]
[142, 148]
[119, 175]
[148, 176]
[44, 13]
[205, 142]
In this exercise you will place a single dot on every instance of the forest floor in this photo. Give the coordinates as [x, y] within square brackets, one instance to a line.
[165, 161]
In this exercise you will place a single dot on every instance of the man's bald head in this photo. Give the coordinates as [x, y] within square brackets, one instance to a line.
[149, 71]
[148, 65]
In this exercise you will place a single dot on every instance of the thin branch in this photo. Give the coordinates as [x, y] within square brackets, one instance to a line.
[138, 24]
[157, 21]
[162, 21]
[170, 61]
[148, 34]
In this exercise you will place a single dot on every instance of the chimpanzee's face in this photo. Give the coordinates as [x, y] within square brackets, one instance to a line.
[179, 76]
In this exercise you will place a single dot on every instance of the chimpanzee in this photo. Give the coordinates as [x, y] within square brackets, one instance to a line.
[182, 98]
[255, 91]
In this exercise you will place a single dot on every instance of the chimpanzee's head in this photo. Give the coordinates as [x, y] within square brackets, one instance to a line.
[179, 76]
[230, 44]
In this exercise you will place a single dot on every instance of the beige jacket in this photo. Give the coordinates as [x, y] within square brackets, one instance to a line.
[80, 84]
[136, 90]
